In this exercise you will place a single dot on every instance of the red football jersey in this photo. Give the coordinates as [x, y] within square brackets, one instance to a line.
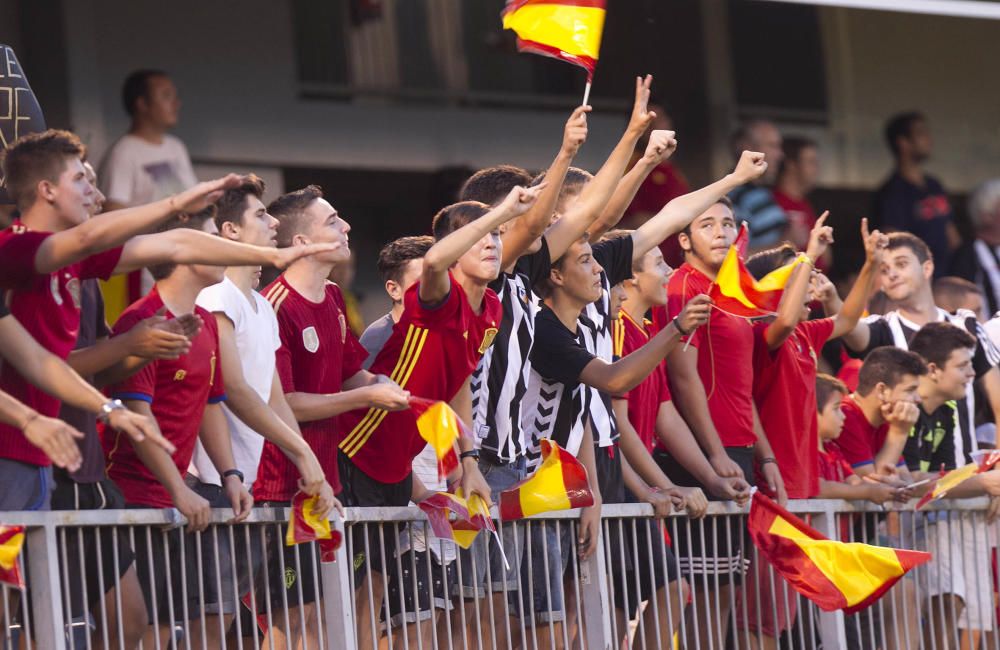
[48, 306]
[431, 352]
[177, 391]
[784, 390]
[859, 441]
[318, 352]
[18, 248]
[644, 400]
[725, 358]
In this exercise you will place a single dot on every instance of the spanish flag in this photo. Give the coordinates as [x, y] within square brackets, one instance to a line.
[983, 461]
[11, 541]
[559, 483]
[834, 575]
[735, 290]
[569, 30]
[471, 516]
[440, 427]
[306, 526]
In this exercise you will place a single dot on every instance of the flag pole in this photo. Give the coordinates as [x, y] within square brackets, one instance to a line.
[586, 93]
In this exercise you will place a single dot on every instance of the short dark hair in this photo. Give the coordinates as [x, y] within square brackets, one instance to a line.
[493, 184]
[887, 365]
[194, 221]
[233, 204]
[573, 183]
[908, 240]
[37, 157]
[793, 146]
[452, 217]
[936, 341]
[827, 385]
[288, 209]
[394, 256]
[724, 200]
[899, 126]
[762, 263]
[544, 286]
[136, 86]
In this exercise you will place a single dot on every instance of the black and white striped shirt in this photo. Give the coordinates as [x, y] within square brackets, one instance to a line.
[894, 329]
[500, 380]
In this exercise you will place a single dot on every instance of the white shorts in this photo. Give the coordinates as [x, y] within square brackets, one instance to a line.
[961, 566]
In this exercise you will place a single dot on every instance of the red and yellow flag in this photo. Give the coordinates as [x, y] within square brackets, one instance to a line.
[11, 541]
[569, 30]
[983, 461]
[737, 292]
[834, 575]
[306, 526]
[440, 427]
[559, 483]
[471, 516]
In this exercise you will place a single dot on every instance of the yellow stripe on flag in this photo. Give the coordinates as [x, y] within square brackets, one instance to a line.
[575, 30]
[728, 279]
[855, 569]
[9, 551]
[546, 491]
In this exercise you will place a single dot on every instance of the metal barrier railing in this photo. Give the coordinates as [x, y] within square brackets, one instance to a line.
[394, 585]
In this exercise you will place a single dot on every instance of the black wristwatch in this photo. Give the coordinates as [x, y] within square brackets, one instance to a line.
[233, 472]
[472, 453]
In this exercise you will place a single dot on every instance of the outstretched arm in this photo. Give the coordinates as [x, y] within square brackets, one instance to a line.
[521, 233]
[846, 320]
[595, 196]
[682, 210]
[113, 229]
[626, 373]
[434, 284]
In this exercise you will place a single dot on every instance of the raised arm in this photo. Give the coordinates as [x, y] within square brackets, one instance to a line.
[660, 147]
[682, 210]
[847, 319]
[520, 234]
[626, 373]
[790, 310]
[187, 246]
[434, 283]
[113, 229]
[595, 196]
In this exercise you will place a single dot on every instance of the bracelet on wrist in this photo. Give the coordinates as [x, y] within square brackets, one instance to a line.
[677, 326]
[28, 420]
[765, 461]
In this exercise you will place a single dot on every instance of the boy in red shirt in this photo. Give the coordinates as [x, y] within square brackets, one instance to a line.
[319, 364]
[184, 396]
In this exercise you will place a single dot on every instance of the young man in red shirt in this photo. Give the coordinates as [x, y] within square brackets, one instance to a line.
[184, 395]
[785, 354]
[711, 380]
[319, 364]
[45, 176]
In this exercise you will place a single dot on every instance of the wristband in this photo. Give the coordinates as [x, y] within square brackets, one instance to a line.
[28, 420]
[765, 461]
[805, 259]
[472, 453]
[233, 472]
[677, 327]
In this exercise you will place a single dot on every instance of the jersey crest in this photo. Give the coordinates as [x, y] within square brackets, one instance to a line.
[488, 336]
[310, 339]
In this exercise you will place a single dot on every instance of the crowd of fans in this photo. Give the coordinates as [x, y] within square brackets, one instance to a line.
[534, 316]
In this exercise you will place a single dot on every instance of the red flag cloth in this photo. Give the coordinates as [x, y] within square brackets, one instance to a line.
[304, 525]
[471, 515]
[11, 541]
[559, 483]
[834, 575]
[441, 427]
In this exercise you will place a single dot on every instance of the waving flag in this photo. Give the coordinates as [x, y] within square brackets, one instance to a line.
[737, 292]
[982, 461]
[440, 427]
[471, 516]
[568, 30]
[834, 575]
[306, 526]
[559, 483]
[11, 541]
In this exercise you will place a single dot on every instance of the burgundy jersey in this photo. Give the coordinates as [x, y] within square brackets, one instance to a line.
[177, 391]
[431, 352]
[318, 352]
[48, 306]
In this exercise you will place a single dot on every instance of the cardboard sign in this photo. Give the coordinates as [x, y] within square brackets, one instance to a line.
[19, 110]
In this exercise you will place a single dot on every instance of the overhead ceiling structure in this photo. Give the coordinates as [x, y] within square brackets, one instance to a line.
[987, 9]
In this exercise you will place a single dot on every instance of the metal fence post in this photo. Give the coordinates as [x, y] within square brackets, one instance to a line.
[43, 587]
[596, 602]
[831, 624]
[338, 593]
